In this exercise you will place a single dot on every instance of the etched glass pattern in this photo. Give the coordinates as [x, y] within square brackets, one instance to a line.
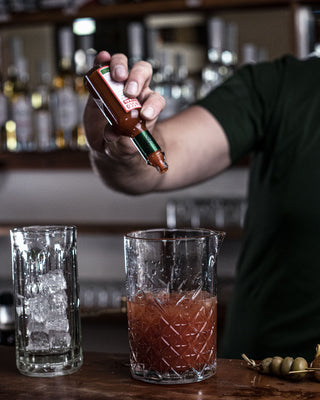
[172, 304]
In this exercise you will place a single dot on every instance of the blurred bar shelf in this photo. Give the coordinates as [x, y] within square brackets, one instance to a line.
[139, 9]
[59, 159]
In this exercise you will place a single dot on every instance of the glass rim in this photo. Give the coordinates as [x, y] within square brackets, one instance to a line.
[43, 228]
[197, 234]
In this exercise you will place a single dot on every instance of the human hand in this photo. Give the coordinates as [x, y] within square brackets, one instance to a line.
[100, 136]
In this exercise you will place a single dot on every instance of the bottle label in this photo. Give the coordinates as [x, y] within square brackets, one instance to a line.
[3, 109]
[117, 89]
[43, 129]
[22, 115]
[145, 143]
[66, 117]
[81, 105]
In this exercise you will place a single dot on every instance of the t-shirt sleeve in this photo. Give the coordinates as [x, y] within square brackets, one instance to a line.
[244, 104]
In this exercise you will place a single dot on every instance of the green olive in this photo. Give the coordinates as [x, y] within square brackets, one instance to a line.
[275, 365]
[265, 365]
[286, 366]
[299, 364]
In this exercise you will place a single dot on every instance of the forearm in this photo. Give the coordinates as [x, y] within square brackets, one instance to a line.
[195, 146]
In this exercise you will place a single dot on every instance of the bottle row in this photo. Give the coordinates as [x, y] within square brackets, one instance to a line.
[49, 116]
[171, 73]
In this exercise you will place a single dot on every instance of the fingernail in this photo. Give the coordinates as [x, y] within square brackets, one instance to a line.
[148, 112]
[132, 88]
[120, 71]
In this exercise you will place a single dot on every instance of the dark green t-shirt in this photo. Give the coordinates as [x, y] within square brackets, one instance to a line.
[272, 111]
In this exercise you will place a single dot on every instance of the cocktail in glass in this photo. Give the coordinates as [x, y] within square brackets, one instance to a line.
[172, 304]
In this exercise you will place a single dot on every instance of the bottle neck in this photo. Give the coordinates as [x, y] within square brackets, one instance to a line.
[150, 150]
[66, 49]
[145, 143]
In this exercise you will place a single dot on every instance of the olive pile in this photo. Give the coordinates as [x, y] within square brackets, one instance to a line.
[288, 367]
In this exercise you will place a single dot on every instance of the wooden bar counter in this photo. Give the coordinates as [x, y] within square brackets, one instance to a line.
[107, 376]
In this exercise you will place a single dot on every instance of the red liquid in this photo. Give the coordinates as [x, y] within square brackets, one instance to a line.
[178, 332]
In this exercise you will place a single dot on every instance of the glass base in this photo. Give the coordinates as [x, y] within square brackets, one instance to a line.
[172, 377]
[49, 365]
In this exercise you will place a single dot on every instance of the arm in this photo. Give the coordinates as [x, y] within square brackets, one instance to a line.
[195, 145]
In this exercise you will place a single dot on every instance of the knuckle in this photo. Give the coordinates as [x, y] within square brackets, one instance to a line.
[118, 59]
[144, 65]
[158, 99]
[142, 70]
[118, 56]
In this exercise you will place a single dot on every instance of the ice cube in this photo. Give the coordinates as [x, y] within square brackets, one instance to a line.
[38, 341]
[33, 326]
[59, 340]
[53, 282]
[58, 301]
[57, 323]
[38, 308]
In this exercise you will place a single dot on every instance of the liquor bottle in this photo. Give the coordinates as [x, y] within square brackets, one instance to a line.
[123, 114]
[21, 109]
[84, 60]
[64, 96]
[213, 73]
[249, 53]
[135, 42]
[19, 129]
[164, 84]
[229, 55]
[40, 99]
[153, 39]
[3, 108]
[183, 88]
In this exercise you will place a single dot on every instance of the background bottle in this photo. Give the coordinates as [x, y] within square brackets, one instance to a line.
[164, 82]
[64, 97]
[3, 108]
[42, 120]
[136, 46]
[152, 41]
[84, 60]
[213, 72]
[229, 55]
[249, 53]
[183, 89]
[19, 129]
[21, 108]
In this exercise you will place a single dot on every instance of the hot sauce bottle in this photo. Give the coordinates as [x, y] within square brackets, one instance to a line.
[123, 114]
